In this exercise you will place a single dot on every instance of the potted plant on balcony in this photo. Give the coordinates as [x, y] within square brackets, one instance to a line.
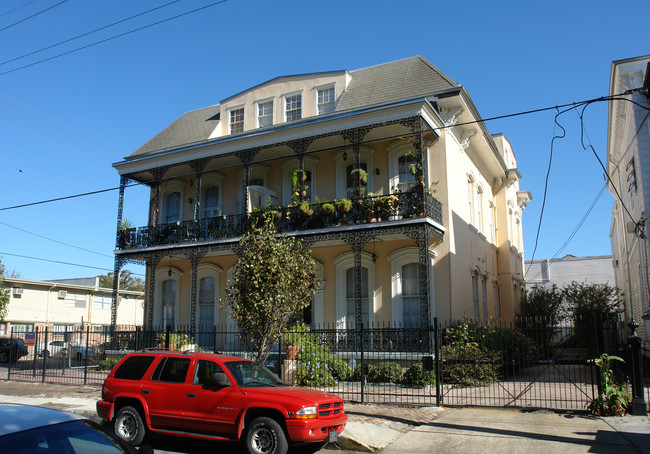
[123, 232]
[306, 209]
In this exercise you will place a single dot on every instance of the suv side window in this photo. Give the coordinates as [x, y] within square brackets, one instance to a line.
[134, 368]
[172, 370]
[204, 372]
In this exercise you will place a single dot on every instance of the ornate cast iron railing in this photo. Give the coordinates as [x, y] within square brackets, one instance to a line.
[322, 215]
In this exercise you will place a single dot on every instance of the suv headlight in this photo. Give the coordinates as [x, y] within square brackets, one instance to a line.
[307, 413]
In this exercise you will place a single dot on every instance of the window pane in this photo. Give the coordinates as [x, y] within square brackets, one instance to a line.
[293, 107]
[173, 207]
[411, 295]
[168, 302]
[211, 202]
[406, 178]
[326, 101]
[365, 303]
[265, 114]
[207, 293]
[236, 121]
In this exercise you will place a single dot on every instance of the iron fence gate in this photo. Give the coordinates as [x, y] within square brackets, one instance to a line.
[524, 364]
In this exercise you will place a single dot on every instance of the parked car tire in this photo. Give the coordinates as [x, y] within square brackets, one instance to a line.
[265, 436]
[129, 426]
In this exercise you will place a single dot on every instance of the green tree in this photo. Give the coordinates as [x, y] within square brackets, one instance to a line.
[4, 294]
[591, 306]
[540, 314]
[272, 283]
[127, 281]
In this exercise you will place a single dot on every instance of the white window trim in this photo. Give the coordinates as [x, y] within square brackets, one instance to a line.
[471, 183]
[257, 111]
[324, 87]
[395, 151]
[284, 104]
[475, 273]
[397, 260]
[169, 187]
[480, 196]
[288, 167]
[208, 180]
[344, 262]
[162, 274]
[365, 155]
[228, 117]
[209, 270]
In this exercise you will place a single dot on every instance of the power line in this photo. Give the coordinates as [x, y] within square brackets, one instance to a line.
[87, 33]
[17, 8]
[55, 241]
[55, 261]
[32, 16]
[113, 37]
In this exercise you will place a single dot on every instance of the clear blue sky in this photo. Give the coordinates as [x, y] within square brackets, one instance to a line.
[64, 122]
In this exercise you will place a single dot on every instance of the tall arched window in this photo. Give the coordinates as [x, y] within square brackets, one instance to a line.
[173, 207]
[479, 208]
[167, 296]
[208, 309]
[470, 197]
[211, 198]
[172, 201]
[475, 274]
[309, 164]
[345, 301]
[344, 166]
[399, 163]
[406, 297]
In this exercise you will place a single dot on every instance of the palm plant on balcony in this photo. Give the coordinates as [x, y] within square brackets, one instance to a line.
[123, 232]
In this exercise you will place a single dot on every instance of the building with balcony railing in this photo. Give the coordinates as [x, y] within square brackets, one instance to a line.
[411, 208]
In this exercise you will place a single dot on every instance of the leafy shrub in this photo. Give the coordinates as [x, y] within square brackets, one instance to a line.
[385, 372]
[108, 363]
[417, 376]
[470, 365]
[614, 397]
[317, 367]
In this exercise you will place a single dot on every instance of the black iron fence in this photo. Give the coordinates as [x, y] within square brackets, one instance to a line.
[528, 363]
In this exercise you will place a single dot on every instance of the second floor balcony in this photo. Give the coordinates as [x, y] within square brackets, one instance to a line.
[301, 217]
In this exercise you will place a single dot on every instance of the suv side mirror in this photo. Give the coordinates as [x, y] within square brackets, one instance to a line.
[220, 379]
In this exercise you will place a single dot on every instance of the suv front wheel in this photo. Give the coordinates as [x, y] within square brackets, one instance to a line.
[265, 436]
[129, 426]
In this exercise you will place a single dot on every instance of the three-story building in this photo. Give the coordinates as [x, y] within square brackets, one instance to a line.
[411, 208]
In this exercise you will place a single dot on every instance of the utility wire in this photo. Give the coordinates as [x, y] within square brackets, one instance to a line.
[55, 261]
[87, 33]
[112, 38]
[56, 241]
[17, 8]
[32, 16]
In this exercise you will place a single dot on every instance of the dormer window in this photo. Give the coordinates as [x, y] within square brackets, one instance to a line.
[293, 107]
[326, 100]
[264, 114]
[236, 120]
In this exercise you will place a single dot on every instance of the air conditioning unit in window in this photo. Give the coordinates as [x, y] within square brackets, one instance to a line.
[63, 294]
[18, 291]
[614, 263]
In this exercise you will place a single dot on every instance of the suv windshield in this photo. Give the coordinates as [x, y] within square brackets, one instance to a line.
[250, 373]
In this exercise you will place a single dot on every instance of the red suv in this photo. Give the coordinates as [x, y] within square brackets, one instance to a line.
[210, 396]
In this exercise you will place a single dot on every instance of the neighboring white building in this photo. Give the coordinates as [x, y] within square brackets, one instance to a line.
[563, 271]
[628, 164]
[67, 305]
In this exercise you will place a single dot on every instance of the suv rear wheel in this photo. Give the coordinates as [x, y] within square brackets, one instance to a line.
[129, 426]
[265, 436]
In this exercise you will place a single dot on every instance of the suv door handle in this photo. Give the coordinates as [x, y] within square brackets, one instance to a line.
[145, 391]
[191, 395]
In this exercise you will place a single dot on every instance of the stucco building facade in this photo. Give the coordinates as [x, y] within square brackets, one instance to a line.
[447, 245]
[628, 164]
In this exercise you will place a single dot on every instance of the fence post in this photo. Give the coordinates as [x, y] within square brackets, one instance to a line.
[436, 355]
[363, 365]
[86, 354]
[168, 329]
[638, 401]
[44, 356]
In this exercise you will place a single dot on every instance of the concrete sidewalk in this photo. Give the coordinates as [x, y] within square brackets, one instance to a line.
[394, 429]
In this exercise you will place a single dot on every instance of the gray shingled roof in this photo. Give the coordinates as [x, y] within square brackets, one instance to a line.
[393, 81]
[372, 86]
[191, 127]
